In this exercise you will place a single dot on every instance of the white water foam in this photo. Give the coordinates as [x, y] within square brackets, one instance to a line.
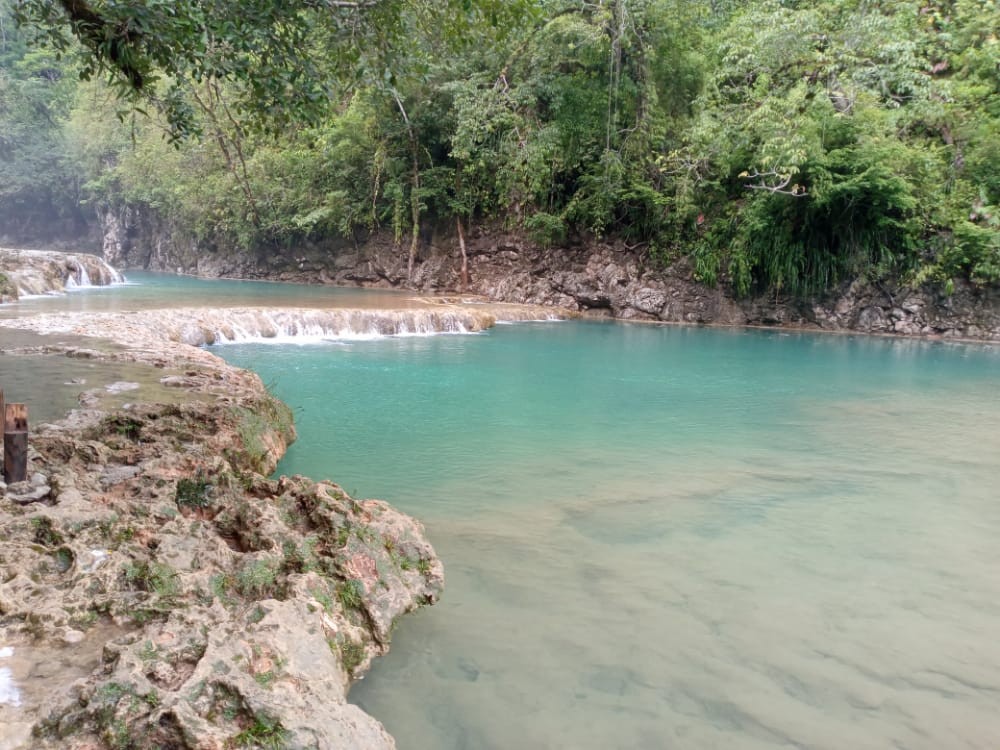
[333, 326]
[79, 278]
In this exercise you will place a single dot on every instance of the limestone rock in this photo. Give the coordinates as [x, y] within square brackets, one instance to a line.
[237, 603]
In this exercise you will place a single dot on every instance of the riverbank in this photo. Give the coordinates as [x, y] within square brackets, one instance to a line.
[207, 605]
[604, 278]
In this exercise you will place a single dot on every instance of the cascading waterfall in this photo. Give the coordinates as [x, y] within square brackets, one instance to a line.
[78, 277]
[99, 273]
[216, 326]
[210, 327]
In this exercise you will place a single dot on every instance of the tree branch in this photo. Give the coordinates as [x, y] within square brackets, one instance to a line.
[108, 41]
[784, 180]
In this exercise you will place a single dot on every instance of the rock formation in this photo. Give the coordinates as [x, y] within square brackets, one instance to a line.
[236, 609]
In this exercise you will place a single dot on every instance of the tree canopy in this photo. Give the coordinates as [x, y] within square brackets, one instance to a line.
[781, 145]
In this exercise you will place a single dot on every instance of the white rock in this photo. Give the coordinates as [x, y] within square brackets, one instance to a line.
[73, 636]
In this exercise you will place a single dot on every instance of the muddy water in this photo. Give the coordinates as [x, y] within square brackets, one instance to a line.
[155, 291]
[52, 384]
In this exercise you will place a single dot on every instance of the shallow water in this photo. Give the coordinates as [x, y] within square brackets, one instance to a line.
[669, 537]
[32, 675]
[146, 290]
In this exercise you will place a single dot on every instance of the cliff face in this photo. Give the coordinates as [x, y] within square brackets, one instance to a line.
[598, 278]
[221, 608]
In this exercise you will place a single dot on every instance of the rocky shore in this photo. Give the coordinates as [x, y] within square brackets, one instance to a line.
[202, 604]
[590, 277]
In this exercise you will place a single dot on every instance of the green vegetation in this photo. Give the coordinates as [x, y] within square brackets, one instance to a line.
[257, 579]
[119, 424]
[264, 732]
[351, 594]
[152, 577]
[782, 145]
[193, 493]
[269, 415]
[352, 654]
[45, 532]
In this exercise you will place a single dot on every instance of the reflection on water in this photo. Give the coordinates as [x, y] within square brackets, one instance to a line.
[676, 538]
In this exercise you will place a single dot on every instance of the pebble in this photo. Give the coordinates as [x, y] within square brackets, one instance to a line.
[73, 636]
[24, 493]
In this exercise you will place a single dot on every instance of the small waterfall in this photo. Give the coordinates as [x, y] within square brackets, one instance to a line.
[40, 272]
[213, 327]
[88, 271]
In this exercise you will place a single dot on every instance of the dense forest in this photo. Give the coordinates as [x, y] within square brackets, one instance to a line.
[781, 145]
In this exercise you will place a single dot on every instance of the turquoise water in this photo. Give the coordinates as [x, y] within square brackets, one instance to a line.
[672, 537]
[661, 537]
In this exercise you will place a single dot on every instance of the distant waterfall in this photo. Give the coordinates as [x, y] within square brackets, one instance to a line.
[86, 271]
[38, 272]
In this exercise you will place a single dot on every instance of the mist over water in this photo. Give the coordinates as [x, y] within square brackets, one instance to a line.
[669, 537]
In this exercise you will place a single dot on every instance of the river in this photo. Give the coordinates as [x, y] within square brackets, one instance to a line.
[661, 537]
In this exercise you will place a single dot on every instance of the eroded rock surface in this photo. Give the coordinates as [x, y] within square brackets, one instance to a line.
[242, 606]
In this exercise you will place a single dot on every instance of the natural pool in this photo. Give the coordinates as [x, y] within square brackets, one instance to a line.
[664, 537]
[669, 537]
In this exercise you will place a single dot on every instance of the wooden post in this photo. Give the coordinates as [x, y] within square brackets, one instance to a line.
[2, 412]
[15, 443]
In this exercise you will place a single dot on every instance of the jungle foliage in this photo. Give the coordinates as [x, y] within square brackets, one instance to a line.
[782, 145]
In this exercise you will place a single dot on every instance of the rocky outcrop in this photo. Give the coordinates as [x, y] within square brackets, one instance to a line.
[137, 237]
[34, 272]
[236, 609]
[612, 280]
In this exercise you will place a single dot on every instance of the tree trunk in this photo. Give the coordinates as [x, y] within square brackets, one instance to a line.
[415, 188]
[465, 257]
[415, 218]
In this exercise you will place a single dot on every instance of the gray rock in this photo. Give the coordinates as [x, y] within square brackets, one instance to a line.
[647, 300]
[118, 474]
[32, 495]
